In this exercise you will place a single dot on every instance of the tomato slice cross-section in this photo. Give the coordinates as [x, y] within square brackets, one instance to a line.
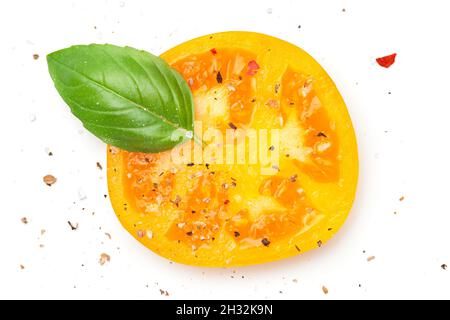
[277, 175]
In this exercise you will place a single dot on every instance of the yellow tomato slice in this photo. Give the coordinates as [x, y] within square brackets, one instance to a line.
[212, 212]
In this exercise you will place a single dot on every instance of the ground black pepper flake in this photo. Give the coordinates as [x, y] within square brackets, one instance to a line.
[164, 292]
[24, 220]
[176, 201]
[297, 248]
[207, 165]
[35, 56]
[189, 233]
[99, 166]
[190, 164]
[444, 266]
[237, 234]
[73, 226]
[293, 178]
[271, 148]
[265, 242]
[319, 243]
[219, 77]
[232, 126]
[277, 88]
[321, 134]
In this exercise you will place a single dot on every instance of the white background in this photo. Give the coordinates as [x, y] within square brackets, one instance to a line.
[403, 143]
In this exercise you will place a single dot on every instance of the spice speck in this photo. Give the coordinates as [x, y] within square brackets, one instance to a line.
[386, 61]
[164, 292]
[104, 258]
[232, 126]
[49, 180]
[73, 226]
[219, 77]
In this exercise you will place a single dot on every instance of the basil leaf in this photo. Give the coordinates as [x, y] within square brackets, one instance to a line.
[128, 98]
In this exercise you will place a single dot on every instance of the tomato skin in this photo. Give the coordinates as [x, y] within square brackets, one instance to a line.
[329, 178]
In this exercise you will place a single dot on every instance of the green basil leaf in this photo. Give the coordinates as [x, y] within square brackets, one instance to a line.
[128, 98]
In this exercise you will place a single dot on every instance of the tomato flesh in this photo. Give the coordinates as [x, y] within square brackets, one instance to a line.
[206, 209]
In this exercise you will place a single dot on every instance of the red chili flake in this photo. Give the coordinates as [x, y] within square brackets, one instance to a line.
[253, 66]
[387, 61]
[213, 51]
